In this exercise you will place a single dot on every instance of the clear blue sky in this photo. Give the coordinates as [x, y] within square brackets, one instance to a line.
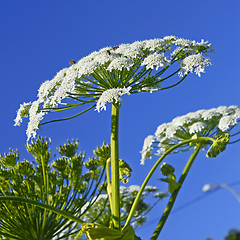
[39, 38]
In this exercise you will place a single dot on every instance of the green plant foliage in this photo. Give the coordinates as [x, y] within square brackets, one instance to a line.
[124, 170]
[168, 171]
[103, 153]
[99, 232]
[219, 145]
[233, 235]
[66, 183]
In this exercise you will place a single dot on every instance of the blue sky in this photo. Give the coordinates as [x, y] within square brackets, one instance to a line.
[39, 38]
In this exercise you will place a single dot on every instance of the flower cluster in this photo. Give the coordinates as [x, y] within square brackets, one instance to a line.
[202, 123]
[111, 96]
[132, 67]
[194, 62]
[22, 113]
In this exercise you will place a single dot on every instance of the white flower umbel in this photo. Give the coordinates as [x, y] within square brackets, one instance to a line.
[155, 60]
[194, 62]
[138, 66]
[120, 63]
[111, 96]
[147, 148]
[35, 118]
[202, 123]
[196, 127]
[22, 113]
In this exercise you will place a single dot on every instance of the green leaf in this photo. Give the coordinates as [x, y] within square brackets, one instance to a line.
[167, 170]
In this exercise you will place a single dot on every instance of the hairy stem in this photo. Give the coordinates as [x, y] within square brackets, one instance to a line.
[174, 194]
[115, 167]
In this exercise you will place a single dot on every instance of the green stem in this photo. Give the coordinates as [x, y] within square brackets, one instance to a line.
[115, 166]
[174, 194]
[109, 185]
[45, 188]
[41, 205]
[199, 139]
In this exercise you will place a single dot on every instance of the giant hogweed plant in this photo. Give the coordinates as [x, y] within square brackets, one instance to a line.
[66, 183]
[69, 184]
[104, 77]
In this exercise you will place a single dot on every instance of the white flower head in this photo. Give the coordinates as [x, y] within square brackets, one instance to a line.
[156, 44]
[201, 123]
[119, 63]
[132, 51]
[111, 96]
[226, 122]
[196, 62]
[133, 188]
[113, 71]
[147, 148]
[155, 60]
[196, 127]
[35, 118]
[22, 113]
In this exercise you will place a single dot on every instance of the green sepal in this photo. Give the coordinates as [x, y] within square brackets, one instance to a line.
[100, 232]
[219, 145]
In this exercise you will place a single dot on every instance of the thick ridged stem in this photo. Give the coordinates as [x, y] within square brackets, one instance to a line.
[115, 167]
